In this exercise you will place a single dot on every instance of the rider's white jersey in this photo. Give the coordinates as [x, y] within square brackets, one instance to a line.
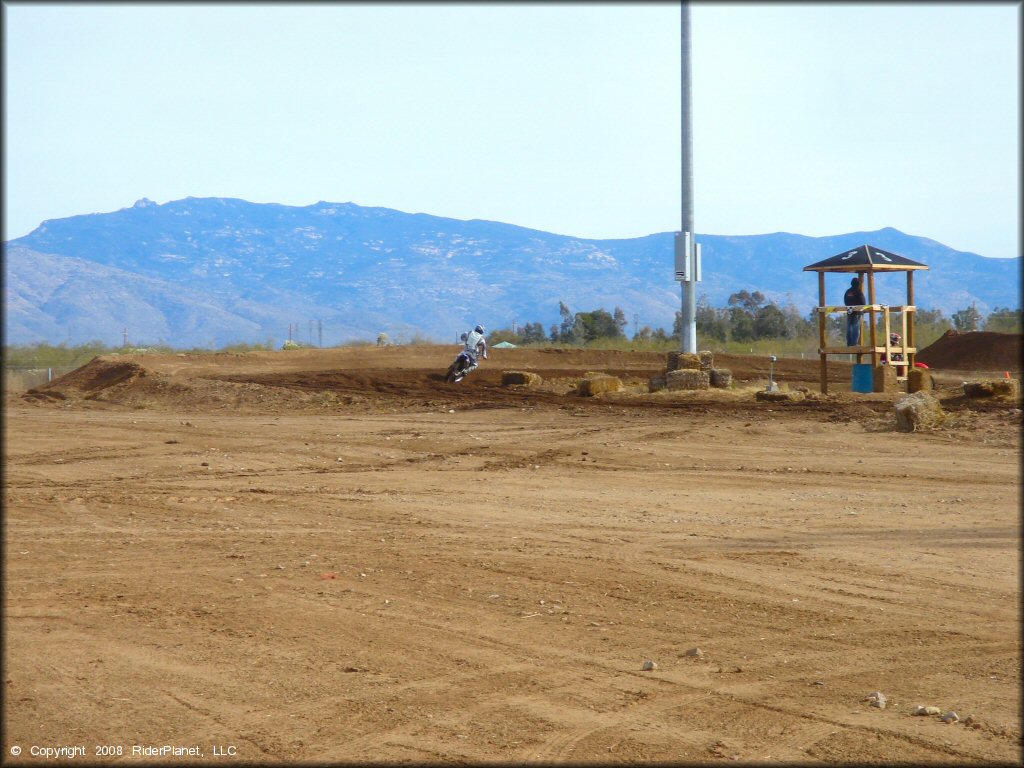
[473, 341]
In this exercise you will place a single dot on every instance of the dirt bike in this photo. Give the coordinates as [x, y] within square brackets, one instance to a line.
[457, 370]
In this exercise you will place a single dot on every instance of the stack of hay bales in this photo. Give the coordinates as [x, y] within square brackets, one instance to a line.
[917, 411]
[721, 378]
[598, 384]
[677, 361]
[686, 370]
[687, 378]
[523, 378]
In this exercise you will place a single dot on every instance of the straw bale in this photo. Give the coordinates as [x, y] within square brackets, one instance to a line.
[885, 379]
[1008, 388]
[656, 384]
[781, 396]
[597, 384]
[917, 411]
[707, 359]
[687, 378]
[527, 378]
[682, 360]
[919, 380]
[720, 377]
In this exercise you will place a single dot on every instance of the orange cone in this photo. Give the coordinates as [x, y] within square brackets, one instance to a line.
[1006, 374]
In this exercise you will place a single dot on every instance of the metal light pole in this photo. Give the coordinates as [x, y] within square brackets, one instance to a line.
[687, 250]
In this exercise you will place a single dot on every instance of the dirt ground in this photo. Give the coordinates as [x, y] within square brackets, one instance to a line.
[333, 556]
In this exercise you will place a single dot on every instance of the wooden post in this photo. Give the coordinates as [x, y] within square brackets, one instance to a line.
[822, 319]
[874, 334]
[909, 337]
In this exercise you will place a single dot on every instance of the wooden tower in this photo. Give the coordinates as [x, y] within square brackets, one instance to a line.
[868, 260]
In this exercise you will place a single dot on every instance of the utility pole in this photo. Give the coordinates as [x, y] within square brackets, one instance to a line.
[124, 343]
[320, 333]
[687, 250]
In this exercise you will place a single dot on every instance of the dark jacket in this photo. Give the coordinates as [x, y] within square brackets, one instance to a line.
[854, 296]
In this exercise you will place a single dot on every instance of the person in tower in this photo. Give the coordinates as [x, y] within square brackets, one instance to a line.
[854, 297]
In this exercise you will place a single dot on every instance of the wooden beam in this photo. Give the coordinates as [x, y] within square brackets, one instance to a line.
[874, 334]
[822, 319]
[910, 321]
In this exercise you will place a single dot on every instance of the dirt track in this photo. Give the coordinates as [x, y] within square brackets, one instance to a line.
[325, 556]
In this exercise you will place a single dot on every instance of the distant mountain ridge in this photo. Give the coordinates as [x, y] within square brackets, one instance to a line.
[213, 271]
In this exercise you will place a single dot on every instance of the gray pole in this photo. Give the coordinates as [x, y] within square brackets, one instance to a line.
[688, 331]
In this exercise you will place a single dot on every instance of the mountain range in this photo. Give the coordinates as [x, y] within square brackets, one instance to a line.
[209, 272]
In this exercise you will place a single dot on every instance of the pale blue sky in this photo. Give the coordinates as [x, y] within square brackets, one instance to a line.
[817, 119]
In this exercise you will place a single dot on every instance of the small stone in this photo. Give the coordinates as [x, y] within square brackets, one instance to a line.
[920, 710]
[649, 665]
[877, 699]
[950, 717]
[694, 652]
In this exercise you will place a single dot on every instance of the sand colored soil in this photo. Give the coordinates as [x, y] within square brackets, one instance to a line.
[333, 556]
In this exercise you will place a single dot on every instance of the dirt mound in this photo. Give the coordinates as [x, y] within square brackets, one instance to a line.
[99, 375]
[974, 351]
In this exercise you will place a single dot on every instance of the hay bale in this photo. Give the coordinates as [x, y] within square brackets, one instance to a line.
[525, 378]
[687, 378]
[656, 384]
[720, 377]
[780, 396]
[677, 361]
[885, 379]
[599, 383]
[707, 359]
[1007, 388]
[920, 380]
[917, 411]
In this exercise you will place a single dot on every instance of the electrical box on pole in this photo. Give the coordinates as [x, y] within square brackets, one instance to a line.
[687, 258]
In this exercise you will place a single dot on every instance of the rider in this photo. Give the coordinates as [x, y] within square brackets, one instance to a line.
[895, 340]
[474, 344]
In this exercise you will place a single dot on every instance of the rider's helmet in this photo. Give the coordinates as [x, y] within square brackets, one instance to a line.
[479, 329]
[895, 339]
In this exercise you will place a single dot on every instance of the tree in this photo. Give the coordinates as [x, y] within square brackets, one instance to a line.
[797, 326]
[750, 302]
[644, 334]
[741, 324]
[620, 320]
[770, 323]
[567, 330]
[504, 334]
[533, 333]
[711, 322]
[967, 319]
[598, 324]
[928, 316]
[1004, 320]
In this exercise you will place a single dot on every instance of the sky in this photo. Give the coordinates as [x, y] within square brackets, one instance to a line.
[815, 119]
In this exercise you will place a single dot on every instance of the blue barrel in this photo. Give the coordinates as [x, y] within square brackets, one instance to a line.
[863, 378]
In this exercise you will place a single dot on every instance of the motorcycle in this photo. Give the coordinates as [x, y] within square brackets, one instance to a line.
[457, 370]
